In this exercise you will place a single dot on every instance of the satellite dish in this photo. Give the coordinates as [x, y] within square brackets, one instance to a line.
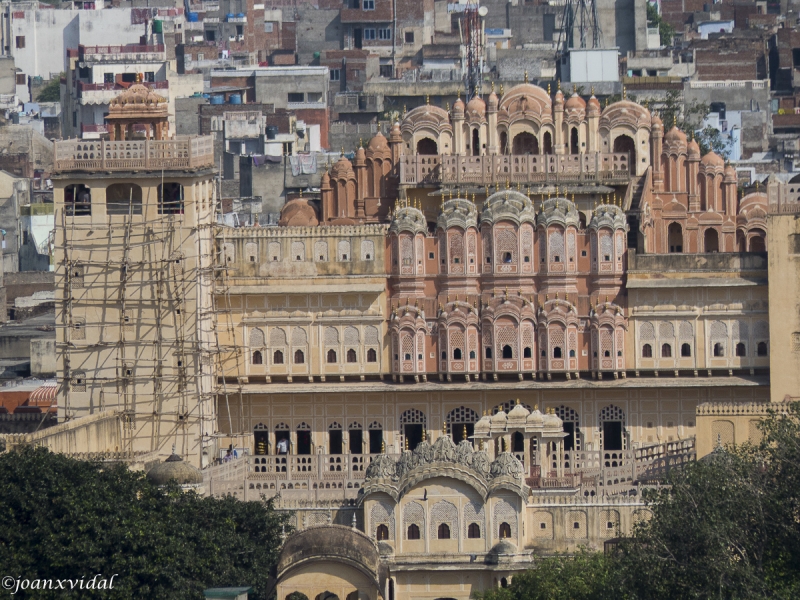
[483, 11]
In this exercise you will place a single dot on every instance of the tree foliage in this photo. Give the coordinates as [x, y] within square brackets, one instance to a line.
[725, 527]
[66, 519]
[665, 30]
[689, 119]
[51, 92]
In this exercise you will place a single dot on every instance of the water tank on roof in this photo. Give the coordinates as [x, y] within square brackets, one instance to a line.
[240, 16]
[158, 26]
[192, 17]
[235, 99]
[229, 16]
[272, 132]
[217, 100]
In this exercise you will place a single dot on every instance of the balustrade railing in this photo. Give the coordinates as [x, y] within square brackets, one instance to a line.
[528, 168]
[100, 155]
[321, 467]
[601, 471]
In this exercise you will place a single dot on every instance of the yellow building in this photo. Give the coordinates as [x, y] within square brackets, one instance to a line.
[474, 347]
[134, 277]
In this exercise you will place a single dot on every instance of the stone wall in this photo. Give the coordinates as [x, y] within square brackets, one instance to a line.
[43, 358]
[101, 432]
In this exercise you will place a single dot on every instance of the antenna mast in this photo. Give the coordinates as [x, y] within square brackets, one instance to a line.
[579, 18]
[472, 47]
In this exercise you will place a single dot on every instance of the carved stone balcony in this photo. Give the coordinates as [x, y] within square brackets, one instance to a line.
[599, 167]
[189, 152]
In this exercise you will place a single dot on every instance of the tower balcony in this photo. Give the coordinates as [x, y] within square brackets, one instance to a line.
[184, 152]
[610, 168]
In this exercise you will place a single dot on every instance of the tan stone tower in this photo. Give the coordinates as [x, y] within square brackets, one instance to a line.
[134, 262]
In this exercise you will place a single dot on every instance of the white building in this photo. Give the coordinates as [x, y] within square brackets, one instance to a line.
[38, 36]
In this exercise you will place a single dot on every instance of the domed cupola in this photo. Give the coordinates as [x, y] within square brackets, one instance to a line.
[476, 110]
[608, 215]
[593, 108]
[558, 211]
[408, 218]
[575, 108]
[458, 109]
[176, 470]
[457, 212]
[518, 415]
[508, 204]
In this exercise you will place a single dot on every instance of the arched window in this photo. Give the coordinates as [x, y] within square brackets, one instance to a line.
[299, 357]
[527, 352]
[413, 532]
[557, 352]
[503, 142]
[257, 358]
[572, 353]
[277, 357]
[474, 531]
[507, 257]
[625, 143]
[331, 356]
[548, 143]
[77, 200]
[443, 531]
[686, 350]
[335, 440]
[758, 243]
[124, 199]
[666, 351]
[647, 351]
[476, 142]
[508, 352]
[170, 198]
[488, 352]
[573, 141]
[505, 531]
[382, 533]
[303, 439]
[719, 350]
[761, 349]
[607, 353]
[372, 356]
[456, 353]
[517, 442]
[525, 143]
[472, 354]
[351, 355]
[427, 146]
[740, 349]
[675, 235]
[711, 240]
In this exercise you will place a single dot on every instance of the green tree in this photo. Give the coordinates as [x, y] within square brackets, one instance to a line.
[51, 92]
[584, 576]
[665, 30]
[689, 119]
[68, 519]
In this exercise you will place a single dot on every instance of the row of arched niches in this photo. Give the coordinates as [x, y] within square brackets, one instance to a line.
[510, 236]
[544, 254]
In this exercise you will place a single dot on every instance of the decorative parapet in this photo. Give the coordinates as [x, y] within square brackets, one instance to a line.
[300, 232]
[97, 155]
[498, 169]
[444, 458]
[740, 409]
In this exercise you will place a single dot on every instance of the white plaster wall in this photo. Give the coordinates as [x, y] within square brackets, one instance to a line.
[49, 33]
